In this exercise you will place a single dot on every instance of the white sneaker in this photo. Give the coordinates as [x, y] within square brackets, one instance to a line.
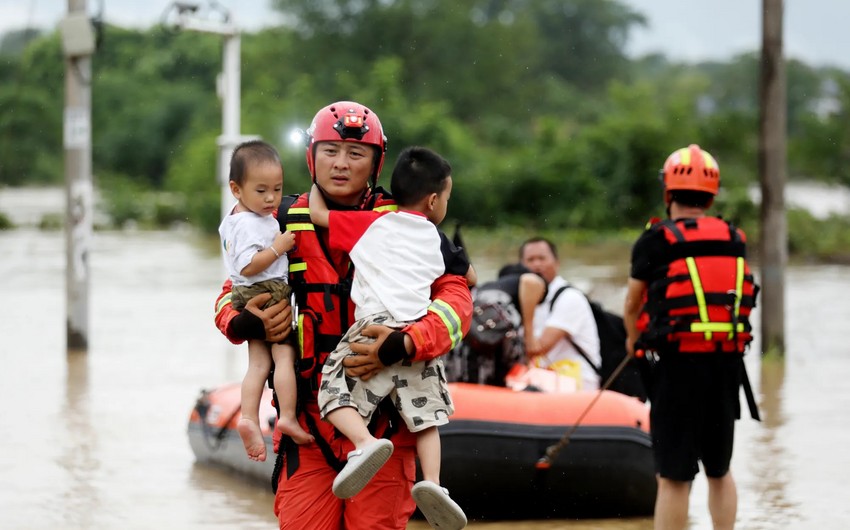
[361, 467]
[438, 508]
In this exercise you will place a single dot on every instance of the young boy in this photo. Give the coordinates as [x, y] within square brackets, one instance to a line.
[397, 256]
[255, 257]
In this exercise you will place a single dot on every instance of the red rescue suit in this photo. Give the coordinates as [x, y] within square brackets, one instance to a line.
[321, 280]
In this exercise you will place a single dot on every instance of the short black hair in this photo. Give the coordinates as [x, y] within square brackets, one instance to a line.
[699, 199]
[511, 269]
[418, 172]
[252, 152]
[538, 240]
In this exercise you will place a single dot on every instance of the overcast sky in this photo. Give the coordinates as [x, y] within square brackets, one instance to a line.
[815, 30]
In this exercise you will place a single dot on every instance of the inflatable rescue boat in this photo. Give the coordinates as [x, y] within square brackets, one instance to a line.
[491, 448]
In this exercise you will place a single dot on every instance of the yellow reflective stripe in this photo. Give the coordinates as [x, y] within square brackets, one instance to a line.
[698, 292]
[716, 327]
[739, 289]
[449, 318]
[297, 267]
[297, 211]
[386, 208]
[301, 335]
[223, 302]
[300, 227]
[739, 283]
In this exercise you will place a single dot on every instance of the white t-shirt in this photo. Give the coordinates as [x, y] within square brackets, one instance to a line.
[244, 234]
[571, 313]
[397, 256]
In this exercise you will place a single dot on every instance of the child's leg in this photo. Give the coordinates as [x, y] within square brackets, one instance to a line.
[429, 450]
[350, 423]
[369, 455]
[259, 364]
[432, 499]
[286, 390]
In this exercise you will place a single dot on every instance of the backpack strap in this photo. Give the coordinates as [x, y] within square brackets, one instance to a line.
[578, 348]
[557, 294]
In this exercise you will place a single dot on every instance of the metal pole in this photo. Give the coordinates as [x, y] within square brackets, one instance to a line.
[772, 169]
[192, 17]
[230, 115]
[79, 44]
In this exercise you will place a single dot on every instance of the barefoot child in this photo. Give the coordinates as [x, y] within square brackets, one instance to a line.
[255, 256]
[396, 257]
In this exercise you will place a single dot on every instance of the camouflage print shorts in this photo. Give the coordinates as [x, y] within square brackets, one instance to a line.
[242, 293]
[418, 389]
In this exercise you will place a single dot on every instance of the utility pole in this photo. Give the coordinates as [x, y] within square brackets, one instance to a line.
[78, 45]
[213, 18]
[230, 92]
[772, 175]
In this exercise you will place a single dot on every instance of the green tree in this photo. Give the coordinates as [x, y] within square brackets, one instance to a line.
[31, 115]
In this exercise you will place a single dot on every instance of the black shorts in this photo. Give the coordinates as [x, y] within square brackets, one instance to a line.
[694, 407]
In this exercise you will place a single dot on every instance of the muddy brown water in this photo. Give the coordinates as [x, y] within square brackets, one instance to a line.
[98, 440]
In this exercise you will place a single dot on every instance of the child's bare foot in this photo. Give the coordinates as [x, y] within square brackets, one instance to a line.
[252, 438]
[292, 428]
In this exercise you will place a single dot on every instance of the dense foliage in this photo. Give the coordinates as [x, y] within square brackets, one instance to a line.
[544, 118]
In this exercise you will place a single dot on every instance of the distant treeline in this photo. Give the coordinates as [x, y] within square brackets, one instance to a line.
[544, 118]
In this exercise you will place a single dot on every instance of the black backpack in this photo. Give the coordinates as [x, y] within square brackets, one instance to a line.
[612, 348]
[494, 318]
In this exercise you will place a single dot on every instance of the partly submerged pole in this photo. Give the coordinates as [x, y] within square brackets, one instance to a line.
[772, 168]
[78, 45]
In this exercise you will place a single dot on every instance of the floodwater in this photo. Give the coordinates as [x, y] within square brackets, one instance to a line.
[98, 440]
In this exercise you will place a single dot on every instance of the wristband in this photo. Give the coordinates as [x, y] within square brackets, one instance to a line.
[245, 326]
[392, 350]
[275, 251]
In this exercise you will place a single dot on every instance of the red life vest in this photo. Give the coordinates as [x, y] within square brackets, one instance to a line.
[703, 302]
[321, 280]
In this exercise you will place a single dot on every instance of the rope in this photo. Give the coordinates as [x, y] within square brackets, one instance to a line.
[552, 451]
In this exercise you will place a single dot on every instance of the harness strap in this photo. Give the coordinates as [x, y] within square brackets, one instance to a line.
[748, 392]
[278, 463]
[323, 444]
[716, 299]
[676, 326]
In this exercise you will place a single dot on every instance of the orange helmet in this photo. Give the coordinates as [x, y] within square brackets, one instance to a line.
[350, 122]
[691, 168]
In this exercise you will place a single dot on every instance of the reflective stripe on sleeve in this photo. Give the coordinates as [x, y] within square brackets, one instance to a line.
[223, 301]
[449, 318]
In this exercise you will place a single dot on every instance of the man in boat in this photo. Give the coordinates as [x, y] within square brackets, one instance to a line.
[567, 339]
[689, 296]
[345, 152]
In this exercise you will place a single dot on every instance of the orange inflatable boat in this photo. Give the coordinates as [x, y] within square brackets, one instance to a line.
[491, 447]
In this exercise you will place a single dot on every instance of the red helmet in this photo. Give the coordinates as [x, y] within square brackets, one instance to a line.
[350, 122]
[691, 168]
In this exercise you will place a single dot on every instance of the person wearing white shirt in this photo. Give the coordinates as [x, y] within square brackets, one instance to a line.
[559, 327]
